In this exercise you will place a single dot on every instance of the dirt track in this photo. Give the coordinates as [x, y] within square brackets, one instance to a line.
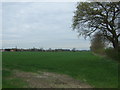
[49, 80]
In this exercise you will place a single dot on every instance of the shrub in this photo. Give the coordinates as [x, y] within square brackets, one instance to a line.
[110, 52]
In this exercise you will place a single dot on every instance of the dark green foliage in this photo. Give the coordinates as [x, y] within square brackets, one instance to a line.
[84, 66]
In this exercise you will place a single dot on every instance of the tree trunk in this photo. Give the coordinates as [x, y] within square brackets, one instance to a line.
[115, 41]
[116, 44]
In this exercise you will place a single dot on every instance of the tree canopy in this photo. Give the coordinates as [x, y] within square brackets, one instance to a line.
[91, 17]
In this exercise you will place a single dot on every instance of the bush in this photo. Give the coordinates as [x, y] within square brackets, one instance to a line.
[110, 52]
[99, 51]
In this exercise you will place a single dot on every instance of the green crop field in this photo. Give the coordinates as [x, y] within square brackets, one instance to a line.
[96, 70]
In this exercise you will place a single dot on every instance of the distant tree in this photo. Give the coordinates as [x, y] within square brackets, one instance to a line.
[98, 43]
[90, 17]
[74, 49]
[49, 49]
[41, 49]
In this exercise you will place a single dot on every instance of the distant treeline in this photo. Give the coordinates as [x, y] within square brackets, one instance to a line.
[40, 50]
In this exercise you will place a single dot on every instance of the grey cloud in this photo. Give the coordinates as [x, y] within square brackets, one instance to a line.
[40, 24]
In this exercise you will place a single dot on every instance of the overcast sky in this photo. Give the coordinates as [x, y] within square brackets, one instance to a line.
[40, 24]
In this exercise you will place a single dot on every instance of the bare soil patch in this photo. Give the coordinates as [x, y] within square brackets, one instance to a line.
[49, 80]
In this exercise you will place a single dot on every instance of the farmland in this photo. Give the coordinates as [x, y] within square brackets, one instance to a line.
[97, 71]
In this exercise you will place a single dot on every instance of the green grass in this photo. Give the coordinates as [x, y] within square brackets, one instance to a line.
[95, 70]
[0, 70]
[11, 82]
